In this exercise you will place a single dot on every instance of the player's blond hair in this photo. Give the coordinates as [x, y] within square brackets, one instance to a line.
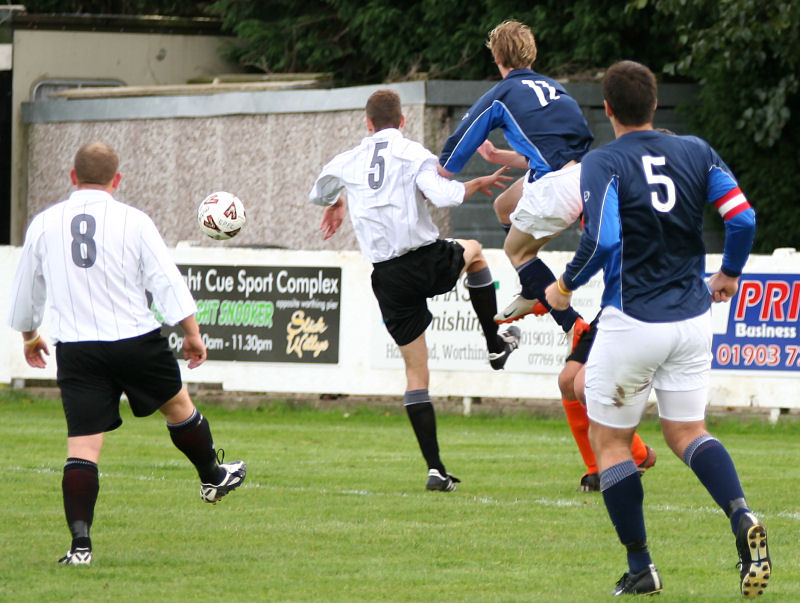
[96, 163]
[384, 109]
[512, 45]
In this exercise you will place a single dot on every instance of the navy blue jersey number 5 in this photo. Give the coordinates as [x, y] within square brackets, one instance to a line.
[84, 249]
[376, 178]
[654, 178]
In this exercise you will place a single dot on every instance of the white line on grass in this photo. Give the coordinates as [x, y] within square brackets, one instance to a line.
[483, 500]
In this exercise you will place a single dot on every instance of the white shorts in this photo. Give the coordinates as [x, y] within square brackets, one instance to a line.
[550, 204]
[629, 357]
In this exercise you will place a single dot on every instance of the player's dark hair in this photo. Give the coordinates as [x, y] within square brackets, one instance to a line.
[512, 45]
[96, 163]
[631, 91]
[384, 109]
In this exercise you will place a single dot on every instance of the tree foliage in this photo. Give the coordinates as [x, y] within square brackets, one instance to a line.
[746, 56]
[173, 8]
[381, 40]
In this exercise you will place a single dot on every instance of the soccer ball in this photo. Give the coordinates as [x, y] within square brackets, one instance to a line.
[221, 215]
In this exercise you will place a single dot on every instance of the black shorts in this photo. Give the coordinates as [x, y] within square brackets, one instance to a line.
[92, 375]
[403, 285]
[581, 351]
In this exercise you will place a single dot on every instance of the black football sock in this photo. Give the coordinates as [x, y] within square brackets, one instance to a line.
[193, 438]
[484, 301]
[423, 420]
[80, 485]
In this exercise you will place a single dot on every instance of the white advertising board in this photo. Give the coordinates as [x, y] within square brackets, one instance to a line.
[366, 361]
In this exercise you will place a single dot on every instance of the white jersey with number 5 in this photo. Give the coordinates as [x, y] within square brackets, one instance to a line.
[388, 178]
[94, 257]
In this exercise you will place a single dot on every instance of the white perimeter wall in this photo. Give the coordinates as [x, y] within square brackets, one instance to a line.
[369, 362]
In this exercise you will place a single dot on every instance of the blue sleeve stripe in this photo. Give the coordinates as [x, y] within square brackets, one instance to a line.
[470, 140]
[604, 239]
[536, 160]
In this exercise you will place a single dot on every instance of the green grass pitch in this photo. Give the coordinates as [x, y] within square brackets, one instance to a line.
[334, 509]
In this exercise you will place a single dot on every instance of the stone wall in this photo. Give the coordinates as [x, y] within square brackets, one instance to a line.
[270, 160]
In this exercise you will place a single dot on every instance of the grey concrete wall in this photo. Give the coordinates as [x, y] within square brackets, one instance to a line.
[269, 160]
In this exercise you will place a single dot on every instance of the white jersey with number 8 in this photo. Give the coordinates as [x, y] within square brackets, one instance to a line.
[94, 257]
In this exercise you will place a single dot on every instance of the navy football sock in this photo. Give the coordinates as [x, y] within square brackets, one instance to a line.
[621, 486]
[713, 466]
[564, 318]
[535, 276]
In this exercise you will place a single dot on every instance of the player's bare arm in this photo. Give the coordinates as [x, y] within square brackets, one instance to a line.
[503, 156]
[484, 184]
[35, 349]
[443, 172]
[723, 287]
[332, 218]
[194, 349]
